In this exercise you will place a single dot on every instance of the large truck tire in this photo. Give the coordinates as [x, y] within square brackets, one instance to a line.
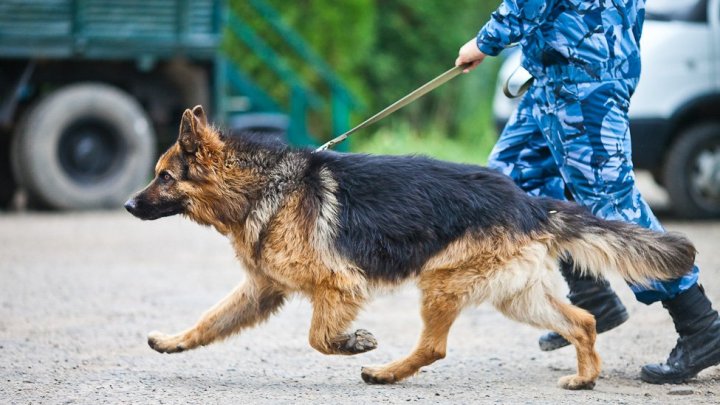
[7, 180]
[692, 172]
[84, 146]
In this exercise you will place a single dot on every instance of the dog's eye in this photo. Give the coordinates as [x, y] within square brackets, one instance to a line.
[165, 177]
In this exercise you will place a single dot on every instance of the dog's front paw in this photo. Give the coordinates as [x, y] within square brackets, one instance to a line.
[575, 382]
[372, 375]
[163, 343]
[360, 341]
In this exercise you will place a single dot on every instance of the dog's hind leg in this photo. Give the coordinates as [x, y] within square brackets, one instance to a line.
[333, 312]
[536, 304]
[580, 331]
[250, 303]
[441, 305]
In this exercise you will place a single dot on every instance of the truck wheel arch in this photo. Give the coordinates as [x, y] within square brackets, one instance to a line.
[699, 109]
[696, 111]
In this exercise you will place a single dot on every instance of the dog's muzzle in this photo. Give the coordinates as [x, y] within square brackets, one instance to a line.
[131, 206]
[143, 209]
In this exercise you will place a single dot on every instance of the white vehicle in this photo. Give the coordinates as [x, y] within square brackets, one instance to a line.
[675, 112]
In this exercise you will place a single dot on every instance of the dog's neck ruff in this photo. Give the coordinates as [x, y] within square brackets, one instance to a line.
[283, 179]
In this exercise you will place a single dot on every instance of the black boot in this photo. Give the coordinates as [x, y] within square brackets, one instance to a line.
[593, 295]
[698, 346]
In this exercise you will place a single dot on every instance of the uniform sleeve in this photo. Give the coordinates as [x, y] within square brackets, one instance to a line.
[512, 21]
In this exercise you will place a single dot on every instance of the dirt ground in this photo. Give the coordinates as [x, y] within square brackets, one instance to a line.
[79, 292]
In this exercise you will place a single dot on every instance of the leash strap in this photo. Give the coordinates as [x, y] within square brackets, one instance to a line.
[416, 94]
[523, 87]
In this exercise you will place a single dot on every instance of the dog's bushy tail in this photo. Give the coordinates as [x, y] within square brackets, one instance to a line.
[598, 246]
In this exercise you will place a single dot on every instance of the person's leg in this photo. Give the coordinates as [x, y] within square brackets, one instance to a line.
[523, 154]
[587, 129]
[586, 126]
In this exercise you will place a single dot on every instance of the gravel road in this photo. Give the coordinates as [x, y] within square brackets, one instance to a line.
[79, 292]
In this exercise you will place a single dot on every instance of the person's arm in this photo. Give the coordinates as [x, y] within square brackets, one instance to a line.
[513, 20]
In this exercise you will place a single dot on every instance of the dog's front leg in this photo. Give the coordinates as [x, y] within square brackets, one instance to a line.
[247, 305]
[441, 304]
[333, 312]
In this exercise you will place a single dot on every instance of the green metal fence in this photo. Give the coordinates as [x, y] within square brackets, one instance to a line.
[341, 102]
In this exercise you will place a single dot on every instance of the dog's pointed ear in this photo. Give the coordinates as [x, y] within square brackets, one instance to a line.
[189, 138]
[199, 113]
[195, 133]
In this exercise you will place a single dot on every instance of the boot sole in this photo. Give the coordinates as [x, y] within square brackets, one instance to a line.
[653, 378]
[548, 345]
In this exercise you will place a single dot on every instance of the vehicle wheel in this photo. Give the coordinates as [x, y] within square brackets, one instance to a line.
[657, 175]
[692, 172]
[84, 146]
[7, 181]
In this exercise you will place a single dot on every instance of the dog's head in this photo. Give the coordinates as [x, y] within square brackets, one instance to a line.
[184, 172]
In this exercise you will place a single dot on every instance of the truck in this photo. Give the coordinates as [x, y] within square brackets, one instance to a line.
[92, 90]
[675, 111]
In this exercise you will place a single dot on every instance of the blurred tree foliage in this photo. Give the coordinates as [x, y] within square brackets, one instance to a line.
[382, 49]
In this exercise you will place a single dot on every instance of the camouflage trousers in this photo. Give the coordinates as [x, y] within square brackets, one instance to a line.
[574, 138]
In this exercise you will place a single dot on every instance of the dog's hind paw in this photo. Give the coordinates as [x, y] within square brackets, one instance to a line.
[360, 341]
[575, 382]
[163, 343]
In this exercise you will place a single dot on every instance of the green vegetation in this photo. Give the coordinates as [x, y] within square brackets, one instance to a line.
[384, 49]
[471, 140]
[402, 140]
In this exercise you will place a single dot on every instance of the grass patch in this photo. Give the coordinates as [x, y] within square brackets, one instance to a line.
[475, 134]
[400, 139]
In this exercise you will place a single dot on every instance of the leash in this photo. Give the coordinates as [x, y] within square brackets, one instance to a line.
[414, 95]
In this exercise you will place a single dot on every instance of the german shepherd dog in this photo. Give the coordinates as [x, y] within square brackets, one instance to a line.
[333, 226]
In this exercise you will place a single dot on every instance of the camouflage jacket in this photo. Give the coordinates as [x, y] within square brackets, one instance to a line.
[581, 40]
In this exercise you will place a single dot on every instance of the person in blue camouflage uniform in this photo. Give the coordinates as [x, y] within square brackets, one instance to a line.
[570, 136]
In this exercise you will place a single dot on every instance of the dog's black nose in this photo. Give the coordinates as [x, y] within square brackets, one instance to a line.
[131, 205]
